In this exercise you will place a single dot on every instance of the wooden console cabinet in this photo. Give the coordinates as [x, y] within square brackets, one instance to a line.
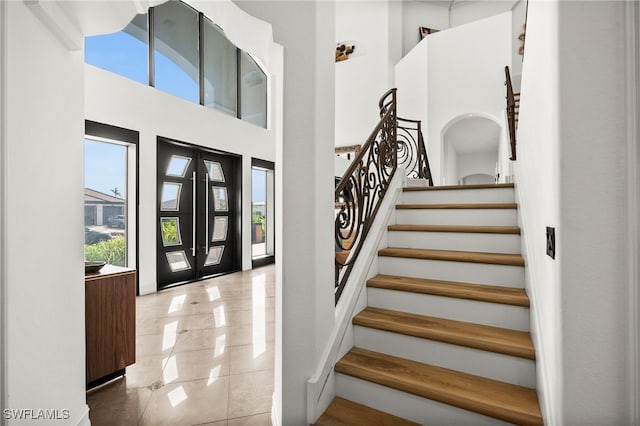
[110, 323]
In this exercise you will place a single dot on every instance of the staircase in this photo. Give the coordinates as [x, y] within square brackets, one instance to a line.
[444, 339]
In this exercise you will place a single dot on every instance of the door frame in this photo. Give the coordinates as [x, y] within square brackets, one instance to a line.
[238, 177]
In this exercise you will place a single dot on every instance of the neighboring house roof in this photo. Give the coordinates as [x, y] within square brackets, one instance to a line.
[92, 196]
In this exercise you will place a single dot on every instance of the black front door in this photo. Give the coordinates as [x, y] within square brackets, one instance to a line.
[198, 213]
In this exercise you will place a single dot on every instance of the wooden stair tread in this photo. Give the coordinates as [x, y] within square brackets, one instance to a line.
[457, 206]
[448, 187]
[512, 403]
[480, 292]
[454, 256]
[342, 412]
[457, 228]
[477, 336]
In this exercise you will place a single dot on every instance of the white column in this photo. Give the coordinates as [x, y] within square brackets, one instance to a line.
[42, 136]
[304, 193]
[44, 130]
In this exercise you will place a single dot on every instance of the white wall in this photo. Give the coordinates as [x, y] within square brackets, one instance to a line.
[411, 80]
[570, 174]
[589, 61]
[464, 75]
[364, 77]
[537, 175]
[465, 12]
[341, 165]
[395, 31]
[451, 165]
[477, 163]
[43, 264]
[468, 11]
[505, 164]
[418, 14]
[518, 17]
[304, 266]
[155, 113]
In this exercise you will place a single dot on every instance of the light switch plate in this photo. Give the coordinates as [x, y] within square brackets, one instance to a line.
[551, 242]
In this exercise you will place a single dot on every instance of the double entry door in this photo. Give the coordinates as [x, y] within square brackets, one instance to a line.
[198, 213]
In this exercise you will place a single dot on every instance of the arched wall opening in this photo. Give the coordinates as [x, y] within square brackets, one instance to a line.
[470, 149]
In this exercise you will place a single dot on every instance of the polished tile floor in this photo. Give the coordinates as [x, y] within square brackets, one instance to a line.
[204, 356]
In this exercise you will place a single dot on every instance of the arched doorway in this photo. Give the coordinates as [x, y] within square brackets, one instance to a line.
[470, 150]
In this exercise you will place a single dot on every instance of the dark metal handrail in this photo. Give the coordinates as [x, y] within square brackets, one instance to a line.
[511, 113]
[362, 188]
[387, 100]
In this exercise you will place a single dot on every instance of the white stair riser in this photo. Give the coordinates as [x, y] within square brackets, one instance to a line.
[475, 273]
[510, 369]
[493, 314]
[493, 243]
[406, 405]
[486, 217]
[493, 195]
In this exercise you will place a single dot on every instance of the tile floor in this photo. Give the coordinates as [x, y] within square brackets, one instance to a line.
[204, 356]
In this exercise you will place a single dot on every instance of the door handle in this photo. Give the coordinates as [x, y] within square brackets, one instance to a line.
[206, 212]
[193, 209]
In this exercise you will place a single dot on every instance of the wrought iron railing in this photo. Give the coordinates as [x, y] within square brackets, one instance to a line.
[513, 100]
[395, 142]
[361, 190]
[412, 153]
